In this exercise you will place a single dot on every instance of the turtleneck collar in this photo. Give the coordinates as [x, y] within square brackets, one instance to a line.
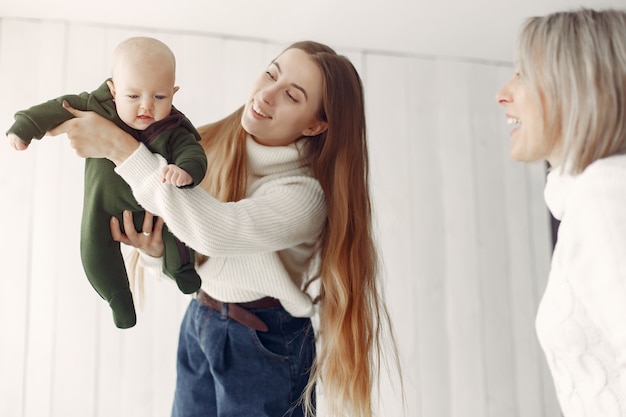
[557, 191]
[267, 160]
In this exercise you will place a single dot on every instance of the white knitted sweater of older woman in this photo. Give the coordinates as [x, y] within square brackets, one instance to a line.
[262, 245]
[581, 322]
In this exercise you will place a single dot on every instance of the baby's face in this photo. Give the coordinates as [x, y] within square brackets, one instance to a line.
[143, 93]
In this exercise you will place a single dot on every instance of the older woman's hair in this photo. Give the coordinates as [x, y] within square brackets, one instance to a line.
[575, 64]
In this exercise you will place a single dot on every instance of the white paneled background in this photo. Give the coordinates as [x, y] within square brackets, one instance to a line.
[463, 231]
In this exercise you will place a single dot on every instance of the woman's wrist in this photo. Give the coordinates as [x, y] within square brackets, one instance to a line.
[125, 146]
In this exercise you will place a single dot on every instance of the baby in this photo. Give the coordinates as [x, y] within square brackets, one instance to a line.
[138, 98]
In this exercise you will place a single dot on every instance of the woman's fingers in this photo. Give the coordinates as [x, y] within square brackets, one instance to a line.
[129, 227]
[129, 236]
[69, 108]
[150, 239]
[94, 136]
[148, 221]
[158, 228]
[116, 231]
[154, 241]
[67, 126]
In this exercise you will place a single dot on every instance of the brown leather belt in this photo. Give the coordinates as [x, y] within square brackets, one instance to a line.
[239, 311]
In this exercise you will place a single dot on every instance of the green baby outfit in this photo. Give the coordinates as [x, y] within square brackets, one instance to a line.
[107, 194]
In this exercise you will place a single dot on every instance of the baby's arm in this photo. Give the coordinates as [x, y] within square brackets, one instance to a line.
[17, 143]
[176, 176]
[36, 121]
[186, 153]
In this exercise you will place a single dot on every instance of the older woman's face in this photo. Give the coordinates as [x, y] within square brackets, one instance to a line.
[283, 102]
[523, 112]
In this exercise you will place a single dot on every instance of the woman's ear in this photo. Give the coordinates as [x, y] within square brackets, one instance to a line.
[315, 129]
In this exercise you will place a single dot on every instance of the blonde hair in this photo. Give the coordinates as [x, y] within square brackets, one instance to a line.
[352, 312]
[575, 62]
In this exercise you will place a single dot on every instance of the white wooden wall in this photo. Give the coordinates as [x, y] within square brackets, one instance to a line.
[463, 232]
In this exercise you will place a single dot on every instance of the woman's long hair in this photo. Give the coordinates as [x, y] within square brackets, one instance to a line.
[575, 64]
[352, 312]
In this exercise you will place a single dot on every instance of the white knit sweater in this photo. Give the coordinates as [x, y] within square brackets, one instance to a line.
[260, 246]
[581, 322]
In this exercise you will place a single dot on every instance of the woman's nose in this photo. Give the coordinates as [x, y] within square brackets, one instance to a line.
[268, 95]
[503, 95]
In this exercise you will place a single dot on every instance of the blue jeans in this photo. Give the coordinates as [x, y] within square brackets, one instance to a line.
[226, 369]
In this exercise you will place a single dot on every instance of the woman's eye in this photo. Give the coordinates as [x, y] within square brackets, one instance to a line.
[292, 98]
[270, 75]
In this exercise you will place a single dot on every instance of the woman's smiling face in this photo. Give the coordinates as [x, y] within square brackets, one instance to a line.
[284, 101]
[524, 111]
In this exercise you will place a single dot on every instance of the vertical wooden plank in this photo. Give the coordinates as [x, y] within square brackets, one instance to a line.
[42, 42]
[76, 327]
[464, 303]
[47, 265]
[16, 182]
[492, 242]
[199, 61]
[523, 294]
[388, 142]
[428, 236]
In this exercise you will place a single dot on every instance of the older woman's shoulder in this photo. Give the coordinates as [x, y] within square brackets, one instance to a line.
[610, 171]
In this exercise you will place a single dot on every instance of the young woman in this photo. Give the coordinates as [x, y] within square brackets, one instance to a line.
[567, 101]
[285, 201]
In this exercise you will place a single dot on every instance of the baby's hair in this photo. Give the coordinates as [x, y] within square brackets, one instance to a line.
[145, 50]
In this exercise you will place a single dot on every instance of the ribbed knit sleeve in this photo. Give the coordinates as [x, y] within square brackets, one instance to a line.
[286, 207]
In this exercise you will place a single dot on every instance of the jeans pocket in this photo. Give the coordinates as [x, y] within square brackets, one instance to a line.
[288, 336]
[270, 344]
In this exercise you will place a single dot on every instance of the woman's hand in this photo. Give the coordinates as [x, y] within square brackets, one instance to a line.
[93, 136]
[150, 240]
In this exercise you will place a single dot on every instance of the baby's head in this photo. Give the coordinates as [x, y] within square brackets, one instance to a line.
[142, 85]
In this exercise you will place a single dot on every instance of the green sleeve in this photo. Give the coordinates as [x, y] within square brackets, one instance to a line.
[37, 120]
[188, 154]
